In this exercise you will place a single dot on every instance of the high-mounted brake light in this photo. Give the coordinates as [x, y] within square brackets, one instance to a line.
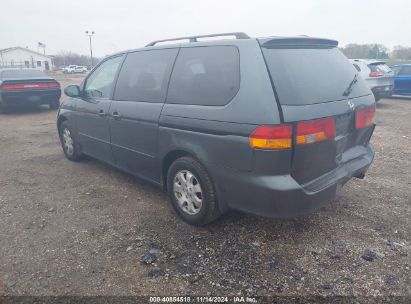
[272, 137]
[376, 74]
[312, 131]
[364, 117]
[22, 86]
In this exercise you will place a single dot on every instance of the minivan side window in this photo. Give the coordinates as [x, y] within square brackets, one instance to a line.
[101, 82]
[144, 76]
[208, 76]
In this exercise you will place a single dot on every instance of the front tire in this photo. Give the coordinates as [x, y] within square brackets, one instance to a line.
[70, 147]
[191, 191]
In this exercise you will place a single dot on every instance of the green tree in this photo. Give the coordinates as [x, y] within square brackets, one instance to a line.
[401, 53]
[365, 51]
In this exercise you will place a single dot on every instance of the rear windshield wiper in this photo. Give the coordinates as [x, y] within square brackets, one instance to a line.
[348, 90]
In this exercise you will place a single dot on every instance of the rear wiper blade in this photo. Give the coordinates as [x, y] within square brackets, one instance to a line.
[348, 90]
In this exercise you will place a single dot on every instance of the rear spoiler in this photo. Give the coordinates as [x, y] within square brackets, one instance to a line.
[297, 42]
[376, 62]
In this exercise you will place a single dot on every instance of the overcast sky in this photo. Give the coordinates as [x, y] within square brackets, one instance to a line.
[125, 24]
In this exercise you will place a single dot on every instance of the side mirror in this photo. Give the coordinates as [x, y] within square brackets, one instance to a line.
[72, 90]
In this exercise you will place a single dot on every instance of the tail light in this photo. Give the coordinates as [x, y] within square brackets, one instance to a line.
[272, 137]
[22, 86]
[364, 117]
[313, 131]
[376, 74]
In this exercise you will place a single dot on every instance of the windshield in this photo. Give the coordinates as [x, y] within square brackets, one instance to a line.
[304, 76]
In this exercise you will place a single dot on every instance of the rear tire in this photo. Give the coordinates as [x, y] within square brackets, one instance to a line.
[69, 144]
[191, 192]
[54, 105]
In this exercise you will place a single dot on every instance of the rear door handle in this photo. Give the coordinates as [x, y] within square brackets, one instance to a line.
[101, 113]
[116, 115]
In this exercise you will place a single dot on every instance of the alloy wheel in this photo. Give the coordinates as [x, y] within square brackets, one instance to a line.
[68, 143]
[188, 192]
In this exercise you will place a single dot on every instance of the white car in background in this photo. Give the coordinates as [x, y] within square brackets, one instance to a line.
[80, 69]
[378, 75]
[69, 69]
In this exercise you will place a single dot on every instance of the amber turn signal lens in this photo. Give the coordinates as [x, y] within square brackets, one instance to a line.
[271, 137]
[312, 131]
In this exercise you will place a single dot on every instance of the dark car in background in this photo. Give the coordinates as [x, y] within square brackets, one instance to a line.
[20, 87]
[402, 79]
[240, 123]
[378, 75]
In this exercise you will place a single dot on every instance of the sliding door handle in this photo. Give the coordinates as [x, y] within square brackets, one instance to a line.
[116, 115]
[101, 113]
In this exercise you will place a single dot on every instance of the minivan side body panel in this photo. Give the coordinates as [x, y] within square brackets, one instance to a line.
[92, 115]
[218, 135]
[134, 119]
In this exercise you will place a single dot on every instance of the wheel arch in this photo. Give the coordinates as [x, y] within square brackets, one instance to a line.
[60, 120]
[168, 159]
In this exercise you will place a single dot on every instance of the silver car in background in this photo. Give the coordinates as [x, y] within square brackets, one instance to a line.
[378, 75]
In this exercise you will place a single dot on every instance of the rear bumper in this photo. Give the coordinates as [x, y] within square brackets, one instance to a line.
[382, 91]
[37, 97]
[282, 196]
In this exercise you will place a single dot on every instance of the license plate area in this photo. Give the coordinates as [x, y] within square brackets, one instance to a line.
[33, 98]
[344, 124]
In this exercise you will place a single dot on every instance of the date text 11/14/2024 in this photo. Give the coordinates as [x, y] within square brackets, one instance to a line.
[203, 299]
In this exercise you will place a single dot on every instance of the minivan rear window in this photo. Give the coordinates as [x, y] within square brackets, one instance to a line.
[304, 76]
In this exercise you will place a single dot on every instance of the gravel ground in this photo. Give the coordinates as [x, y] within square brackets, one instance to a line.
[87, 229]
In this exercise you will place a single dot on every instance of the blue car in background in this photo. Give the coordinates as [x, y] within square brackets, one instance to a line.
[402, 79]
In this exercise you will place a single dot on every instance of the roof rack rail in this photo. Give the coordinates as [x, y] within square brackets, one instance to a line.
[238, 35]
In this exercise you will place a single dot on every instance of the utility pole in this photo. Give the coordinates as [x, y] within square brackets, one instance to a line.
[90, 34]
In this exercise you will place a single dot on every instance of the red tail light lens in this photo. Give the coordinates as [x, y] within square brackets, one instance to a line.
[364, 117]
[313, 131]
[22, 86]
[376, 74]
[272, 137]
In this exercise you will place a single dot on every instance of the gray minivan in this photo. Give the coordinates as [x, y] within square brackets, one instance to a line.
[271, 126]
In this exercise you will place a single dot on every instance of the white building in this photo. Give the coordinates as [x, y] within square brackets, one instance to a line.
[19, 57]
